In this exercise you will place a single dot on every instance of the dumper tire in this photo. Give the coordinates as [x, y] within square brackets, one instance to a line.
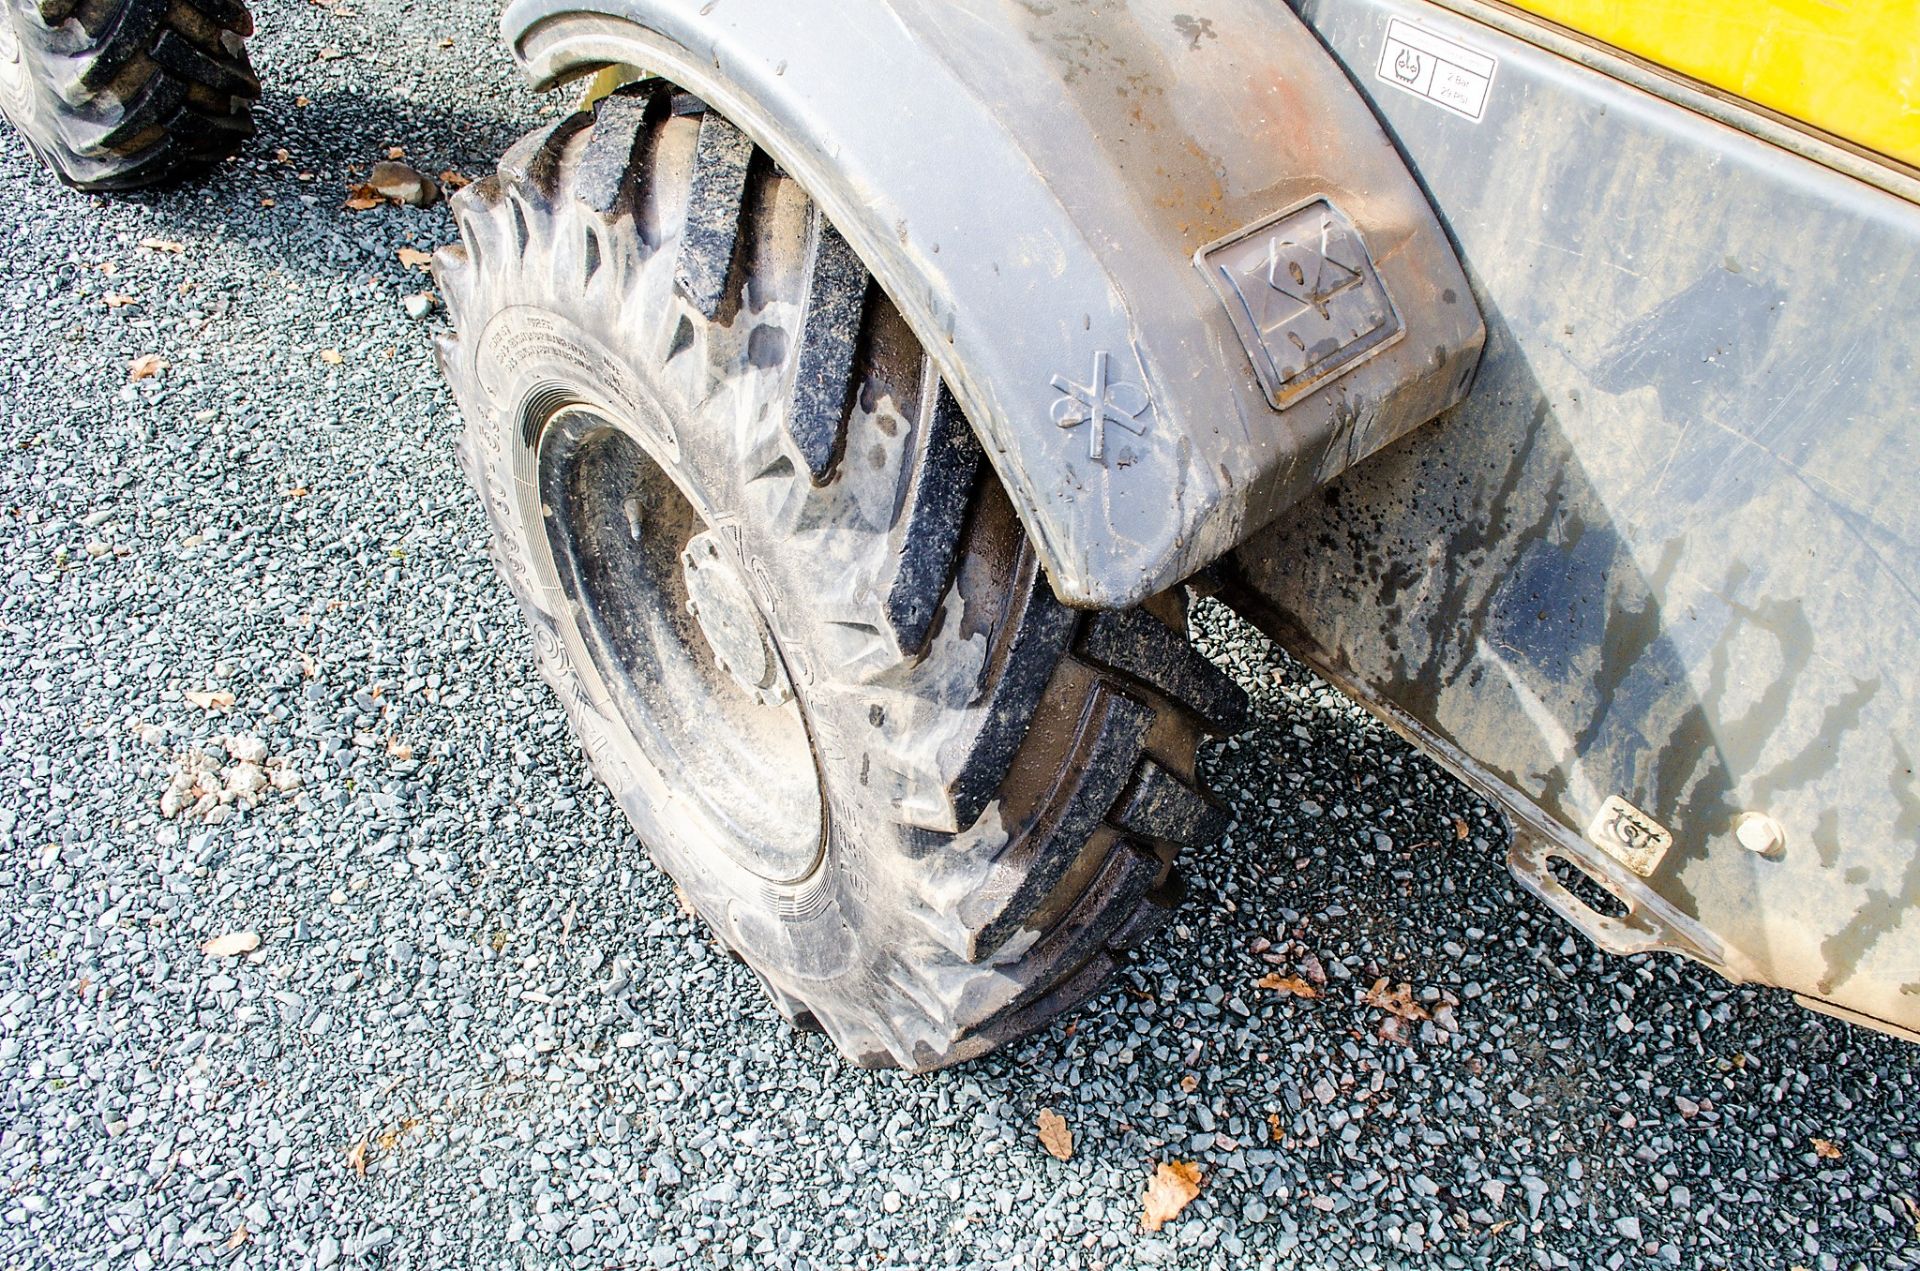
[761, 555]
[122, 94]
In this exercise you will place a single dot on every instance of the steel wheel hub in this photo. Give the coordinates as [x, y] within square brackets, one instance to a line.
[718, 599]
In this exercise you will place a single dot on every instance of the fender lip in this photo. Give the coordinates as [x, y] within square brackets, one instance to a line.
[1024, 231]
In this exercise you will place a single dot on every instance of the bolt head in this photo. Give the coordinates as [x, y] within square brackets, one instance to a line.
[1760, 833]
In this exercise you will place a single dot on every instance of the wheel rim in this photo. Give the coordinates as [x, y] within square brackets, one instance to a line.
[658, 597]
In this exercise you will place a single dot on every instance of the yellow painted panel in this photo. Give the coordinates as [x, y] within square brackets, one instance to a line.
[1851, 69]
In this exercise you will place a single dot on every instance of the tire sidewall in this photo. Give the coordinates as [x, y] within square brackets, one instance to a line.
[19, 97]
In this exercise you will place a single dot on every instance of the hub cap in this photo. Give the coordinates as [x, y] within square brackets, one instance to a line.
[718, 599]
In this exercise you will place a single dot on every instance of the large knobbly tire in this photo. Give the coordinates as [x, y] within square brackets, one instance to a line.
[928, 805]
[121, 94]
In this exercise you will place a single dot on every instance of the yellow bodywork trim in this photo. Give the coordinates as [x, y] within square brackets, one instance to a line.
[1849, 69]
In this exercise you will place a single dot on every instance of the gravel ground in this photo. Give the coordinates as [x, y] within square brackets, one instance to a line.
[477, 1029]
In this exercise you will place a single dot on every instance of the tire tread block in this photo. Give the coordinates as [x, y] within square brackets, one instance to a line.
[1162, 807]
[712, 232]
[177, 54]
[823, 382]
[1043, 630]
[1136, 644]
[613, 151]
[1113, 729]
[934, 520]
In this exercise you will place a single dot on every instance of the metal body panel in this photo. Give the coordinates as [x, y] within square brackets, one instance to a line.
[1031, 184]
[1669, 548]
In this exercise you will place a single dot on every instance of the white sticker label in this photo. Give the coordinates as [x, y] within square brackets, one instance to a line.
[1436, 68]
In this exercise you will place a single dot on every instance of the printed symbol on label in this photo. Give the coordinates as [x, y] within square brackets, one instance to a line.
[1421, 61]
[1632, 837]
[1303, 295]
[1098, 404]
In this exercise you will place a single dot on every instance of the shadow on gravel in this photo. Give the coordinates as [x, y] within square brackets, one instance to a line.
[1526, 1100]
[333, 140]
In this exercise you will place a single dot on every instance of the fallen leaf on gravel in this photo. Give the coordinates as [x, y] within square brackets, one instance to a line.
[453, 180]
[210, 700]
[1460, 830]
[231, 945]
[331, 357]
[362, 198]
[1400, 1007]
[357, 1158]
[1826, 1149]
[1055, 1136]
[239, 1237]
[1189, 1084]
[327, 54]
[1395, 1001]
[414, 258]
[146, 366]
[390, 1138]
[113, 300]
[1287, 984]
[163, 245]
[1174, 1184]
[396, 152]
[303, 101]
[399, 749]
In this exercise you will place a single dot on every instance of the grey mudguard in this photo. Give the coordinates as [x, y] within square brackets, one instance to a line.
[1169, 265]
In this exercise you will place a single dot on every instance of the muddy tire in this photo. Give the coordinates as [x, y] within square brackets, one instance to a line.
[792, 616]
[121, 94]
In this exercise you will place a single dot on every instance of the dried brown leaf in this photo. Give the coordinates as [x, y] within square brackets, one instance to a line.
[396, 152]
[114, 300]
[1397, 1002]
[210, 699]
[163, 245]
[399, 749]
[1173, 1186]
[1460, 830]
[231, 945]
[1291, 985]
[357, 1158]
[414, 258]
[451, 180]
[331, 357]
[239, 1237]
[1055, 1136]
[363, 198]
[1826, 1149]
[146, 366]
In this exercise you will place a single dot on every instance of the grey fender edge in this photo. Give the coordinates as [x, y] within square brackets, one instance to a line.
[1050, 195]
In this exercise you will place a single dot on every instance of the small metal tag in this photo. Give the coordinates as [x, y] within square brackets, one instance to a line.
[1630, 836]
[1301, 291]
